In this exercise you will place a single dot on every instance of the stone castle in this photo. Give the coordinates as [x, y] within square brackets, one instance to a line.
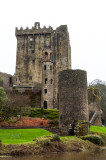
[41, 54]
[43, 66]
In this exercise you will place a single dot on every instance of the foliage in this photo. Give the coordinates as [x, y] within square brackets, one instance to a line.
[6, 113]
[81, 128]
[2, 96]
[15, 136]
[46, 140]
[94, 139]
[3, 99]
[46, 113]
[55, 138]
[11, 120]
[30, 112]
[96, 91]
[36, 112]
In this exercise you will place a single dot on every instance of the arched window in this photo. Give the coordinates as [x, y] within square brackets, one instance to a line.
[45, 104]
[46, 54]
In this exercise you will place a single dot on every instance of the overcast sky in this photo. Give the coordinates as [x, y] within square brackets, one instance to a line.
[86, 20]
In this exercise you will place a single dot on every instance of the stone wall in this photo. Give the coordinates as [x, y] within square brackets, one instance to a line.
[6, 80]
[24, 98]
[94, 106]
[73, 98]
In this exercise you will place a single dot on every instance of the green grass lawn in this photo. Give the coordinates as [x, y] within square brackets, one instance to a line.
[15, 136]
[97, 129]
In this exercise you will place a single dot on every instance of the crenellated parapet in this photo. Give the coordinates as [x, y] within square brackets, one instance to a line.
[34, 30]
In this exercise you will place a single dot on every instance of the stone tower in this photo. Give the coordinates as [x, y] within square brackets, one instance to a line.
[32, 46]
[73, 98]
[47, 79]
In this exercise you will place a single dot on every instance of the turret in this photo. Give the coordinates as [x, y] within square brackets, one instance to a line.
[47, 79]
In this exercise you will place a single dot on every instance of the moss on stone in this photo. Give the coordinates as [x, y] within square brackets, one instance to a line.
[81, 128]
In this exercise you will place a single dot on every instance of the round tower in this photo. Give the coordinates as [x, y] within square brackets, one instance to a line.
[73, 98]
[47, 79]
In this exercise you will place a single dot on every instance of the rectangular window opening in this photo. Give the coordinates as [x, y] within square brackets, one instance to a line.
[45, 80]
[44, 67]
[51, 81]
[50, 67]
[32, 51]
[30, 78]
[45, 90]
[33, 61]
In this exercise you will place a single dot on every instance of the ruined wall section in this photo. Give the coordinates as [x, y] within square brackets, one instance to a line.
[6, 81]
[94, 106]
[63, 56]
[73, 98]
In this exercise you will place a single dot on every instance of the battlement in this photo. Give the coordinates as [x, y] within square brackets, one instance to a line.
[34, 30]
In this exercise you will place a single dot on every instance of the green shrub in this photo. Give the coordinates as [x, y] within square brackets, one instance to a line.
[30, 112]
[46, 113]
[51, 114]
[94, 139]
[103, 136]
[46, 142]
[11, 120]
[55, 138]
[36, 112]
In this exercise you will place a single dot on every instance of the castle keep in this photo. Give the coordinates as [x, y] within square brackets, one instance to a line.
[41, 54]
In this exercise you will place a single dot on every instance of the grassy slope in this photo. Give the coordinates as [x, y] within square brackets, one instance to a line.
[15, 136]
[97, 129]
[42, 145]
